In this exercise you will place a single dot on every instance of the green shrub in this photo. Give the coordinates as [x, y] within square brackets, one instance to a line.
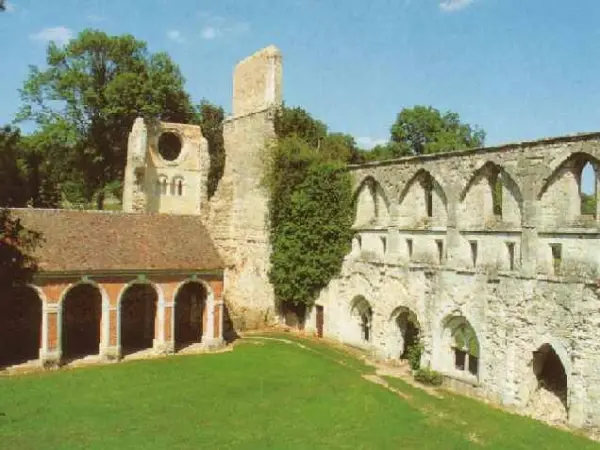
[427, 376]
[413, 355]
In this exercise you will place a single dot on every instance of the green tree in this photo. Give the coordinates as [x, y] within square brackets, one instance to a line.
[210, 118]
[91, 91]
[311, 216]
[13, 181]
[424, 129]
[298, 122]
[17, 266]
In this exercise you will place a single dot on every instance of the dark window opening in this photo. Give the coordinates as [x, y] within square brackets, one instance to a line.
[473, 245]
[556, 257]
[496, 184]
[473, 365]
[440, 249]
[460, 359]
[409, 243]
[169, 146]
[428, 187]
[511, 255]
[550, 372]
[384, 245]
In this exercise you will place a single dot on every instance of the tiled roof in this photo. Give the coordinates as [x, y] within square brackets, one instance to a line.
[99, 241]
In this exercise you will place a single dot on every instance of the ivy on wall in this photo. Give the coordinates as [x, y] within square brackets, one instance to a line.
[311, 213]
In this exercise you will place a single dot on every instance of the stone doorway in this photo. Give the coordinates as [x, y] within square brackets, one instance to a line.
[550, 373]
[20, 326]
[190, 311]
[81, 318]
[138, 316]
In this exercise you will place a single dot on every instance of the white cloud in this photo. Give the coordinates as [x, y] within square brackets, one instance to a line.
[10, 7]
[218, 26]
[209, 32]
[368, 142]
[454, 5]
[176, 36]
[59, 35]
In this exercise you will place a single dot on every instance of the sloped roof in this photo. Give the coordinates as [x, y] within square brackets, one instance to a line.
[96, 241]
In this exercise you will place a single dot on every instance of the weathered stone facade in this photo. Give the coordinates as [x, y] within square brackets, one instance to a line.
[166, 180]
[485, 254]
[492, 239]
[238, 217]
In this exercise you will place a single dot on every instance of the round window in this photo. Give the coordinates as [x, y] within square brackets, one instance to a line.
[169, 146]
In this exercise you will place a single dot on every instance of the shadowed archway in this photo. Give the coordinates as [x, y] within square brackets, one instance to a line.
[138, 316]
[190, 308]
[81, 317]
[20, 325]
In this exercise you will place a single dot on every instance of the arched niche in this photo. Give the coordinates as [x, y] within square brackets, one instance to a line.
[137, 312]
[422, 202]
[81, 319]
[371, 205]
[459, 348]
[405, 332]
[491, 197]
[569, 195]
[190, 313]
[361, 315]
[20, 325]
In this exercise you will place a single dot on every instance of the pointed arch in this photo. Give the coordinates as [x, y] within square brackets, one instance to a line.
[406, 330]
[422, 199]
[561, 197]
[491, 195]
[371, 204]
[459, 348]
[361, 312]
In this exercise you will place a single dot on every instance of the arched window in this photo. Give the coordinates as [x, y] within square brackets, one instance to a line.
[463, 345]
[362, 311]
[161, 185]
[177, 187]
[587, 190]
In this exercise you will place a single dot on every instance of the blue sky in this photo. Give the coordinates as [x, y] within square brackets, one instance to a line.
[520, 69]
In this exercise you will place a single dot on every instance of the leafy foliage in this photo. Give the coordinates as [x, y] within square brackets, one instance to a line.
[310, 206]
[422, 130]
[87, 99]
[413, 355]
[588, 204]
[210, 118]
[13, 181]
[426, 375]
[17, 266]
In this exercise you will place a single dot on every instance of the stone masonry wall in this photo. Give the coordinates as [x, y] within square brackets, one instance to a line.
[521, 268]
[152, 182]
[238, 218]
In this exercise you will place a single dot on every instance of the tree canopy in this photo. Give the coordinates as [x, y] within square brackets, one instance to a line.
[423, 129]
[87, 99]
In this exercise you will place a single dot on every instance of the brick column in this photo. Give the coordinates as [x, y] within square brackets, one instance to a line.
[50, 353]
[109, 345]
[213, 331]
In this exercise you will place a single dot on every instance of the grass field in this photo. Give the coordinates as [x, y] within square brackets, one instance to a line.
[265, 394]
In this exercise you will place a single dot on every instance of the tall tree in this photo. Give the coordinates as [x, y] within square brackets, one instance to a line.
[92, 90]
[424, 129]
[210, 118]
[13, 182]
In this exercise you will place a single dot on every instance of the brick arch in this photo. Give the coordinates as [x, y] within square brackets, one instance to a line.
[207, 309]
[137, 342]
[81, 334]
[22, 335]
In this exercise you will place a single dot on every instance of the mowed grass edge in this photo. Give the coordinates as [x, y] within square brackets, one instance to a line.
[264, 394]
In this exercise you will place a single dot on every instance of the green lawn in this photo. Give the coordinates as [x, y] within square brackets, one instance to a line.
[264, 394]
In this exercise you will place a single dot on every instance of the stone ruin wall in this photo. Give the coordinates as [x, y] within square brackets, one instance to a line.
[407, 254]
[151, 181]
[238, 216]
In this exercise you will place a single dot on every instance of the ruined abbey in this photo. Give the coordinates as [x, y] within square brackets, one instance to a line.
[483, 255]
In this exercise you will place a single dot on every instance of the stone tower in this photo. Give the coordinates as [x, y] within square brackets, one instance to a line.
[238, 218]
[167, 168]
